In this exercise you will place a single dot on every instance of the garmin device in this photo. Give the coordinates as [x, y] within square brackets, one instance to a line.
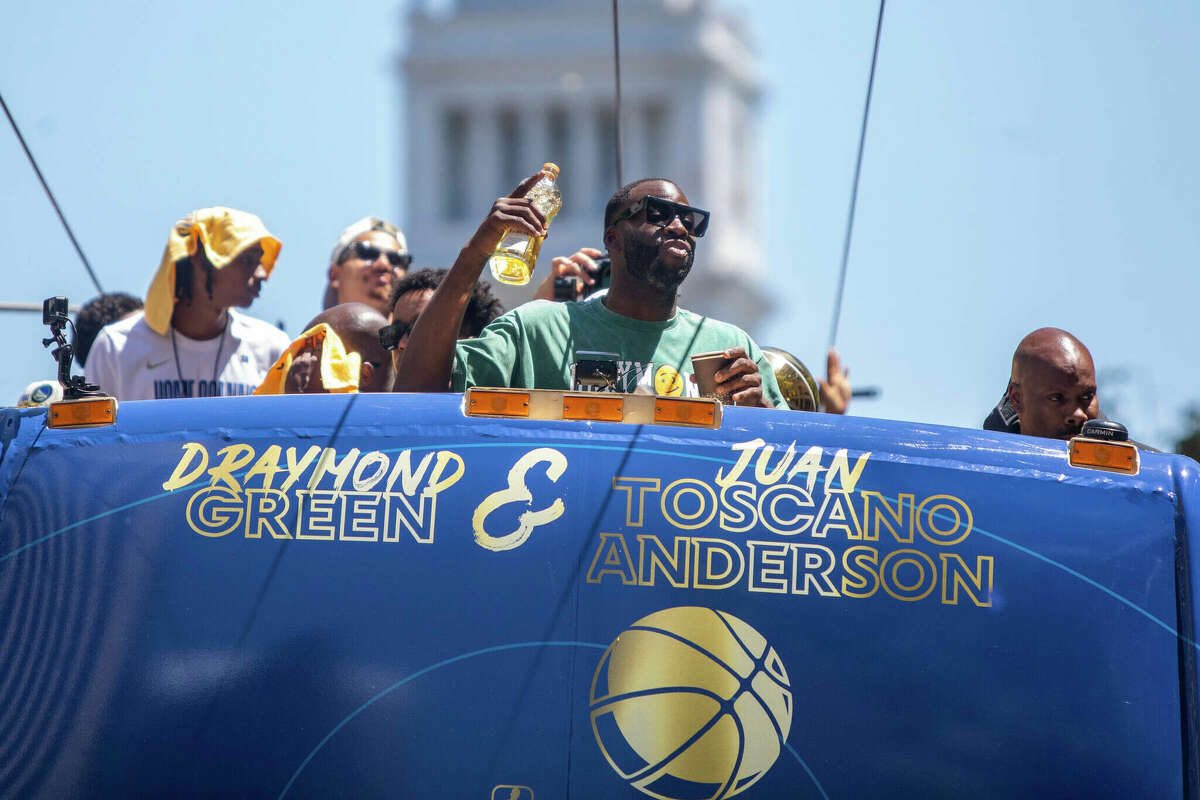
[1105, 429]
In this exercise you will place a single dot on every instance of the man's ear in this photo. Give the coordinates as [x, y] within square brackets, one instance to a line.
[365, 374]
[1014, 396]
[611, 240]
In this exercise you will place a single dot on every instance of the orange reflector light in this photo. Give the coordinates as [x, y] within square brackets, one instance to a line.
[91, 412]
[1108, 456]
[671, 410]
[490, 403]
[595, 407]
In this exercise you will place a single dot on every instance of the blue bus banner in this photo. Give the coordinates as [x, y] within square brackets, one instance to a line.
[377, 596]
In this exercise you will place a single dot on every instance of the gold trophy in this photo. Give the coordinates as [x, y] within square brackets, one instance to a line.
[795, 381]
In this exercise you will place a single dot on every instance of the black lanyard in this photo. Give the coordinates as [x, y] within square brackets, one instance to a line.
[216, 361]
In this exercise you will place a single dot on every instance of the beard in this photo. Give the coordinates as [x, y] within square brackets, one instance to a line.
[644, 263]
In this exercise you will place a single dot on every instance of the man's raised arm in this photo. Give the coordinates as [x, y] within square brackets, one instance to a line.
[429, 355]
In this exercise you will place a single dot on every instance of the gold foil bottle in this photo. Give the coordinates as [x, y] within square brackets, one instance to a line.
[513, 260]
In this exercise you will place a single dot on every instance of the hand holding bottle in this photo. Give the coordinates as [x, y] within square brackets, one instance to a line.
[513, 212]
[514, 257]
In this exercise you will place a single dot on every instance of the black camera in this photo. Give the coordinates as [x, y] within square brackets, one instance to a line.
[568, 288]
[602, 276]
[54, 314]
[54, 311]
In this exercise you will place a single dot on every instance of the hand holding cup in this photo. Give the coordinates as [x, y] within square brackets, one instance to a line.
[730, 376]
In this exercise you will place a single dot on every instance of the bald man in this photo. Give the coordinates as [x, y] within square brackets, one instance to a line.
[651, 231]
[357, 325]
[1052, 391]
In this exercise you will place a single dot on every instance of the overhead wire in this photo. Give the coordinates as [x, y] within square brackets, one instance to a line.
[862, 138]
[54, 202]
[617, 99]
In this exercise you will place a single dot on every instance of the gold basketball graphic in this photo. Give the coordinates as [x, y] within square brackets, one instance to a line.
[691, 703]
[668, 381]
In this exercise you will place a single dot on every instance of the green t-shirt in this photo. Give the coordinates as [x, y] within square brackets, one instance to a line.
[537, 345]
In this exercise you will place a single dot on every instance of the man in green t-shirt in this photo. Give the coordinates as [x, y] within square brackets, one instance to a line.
[650, 232]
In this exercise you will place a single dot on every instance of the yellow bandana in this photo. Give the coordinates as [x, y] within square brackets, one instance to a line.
[339, 368]
[224, 233]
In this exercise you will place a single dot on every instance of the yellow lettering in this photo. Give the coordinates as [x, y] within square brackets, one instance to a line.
[837, 514]
[773, 519]
[956, 574]
[706, 504]
[808, 465]
[296, 468]
[320, 514]
[612, 558]
[840, 471]
[942, 505]
[893, 584]
[768, 563]
[267, 465]
[265, 509]
[419, 521]
[517, 492]
[234, 456]
[901, 525]
[409, 480]
[365, 483]
[328, 464]
[747, 451]
[674, 567]
[627, 486]
[738, 497]
[855, 583]
[707, 573]
[214, 511]
[438, 484]
[184, 472]
[811, 567]
[765, 477]
[363, 514]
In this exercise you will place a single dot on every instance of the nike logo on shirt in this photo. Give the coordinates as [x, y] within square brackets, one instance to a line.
[150, 365]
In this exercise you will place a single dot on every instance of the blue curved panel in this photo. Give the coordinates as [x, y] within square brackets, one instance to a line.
[377, 596]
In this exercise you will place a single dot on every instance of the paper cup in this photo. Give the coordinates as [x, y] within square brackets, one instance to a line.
[704, 367]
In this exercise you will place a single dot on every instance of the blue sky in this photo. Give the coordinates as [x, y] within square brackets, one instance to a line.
[1027, 164]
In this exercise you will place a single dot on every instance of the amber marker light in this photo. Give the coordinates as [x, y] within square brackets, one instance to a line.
[679, 411]
[594, 407]
[1108, 456]
[92, 412]
[496, 403]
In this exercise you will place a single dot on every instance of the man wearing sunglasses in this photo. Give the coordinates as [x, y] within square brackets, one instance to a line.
[413, 292]
[368, 257]
[650, 231]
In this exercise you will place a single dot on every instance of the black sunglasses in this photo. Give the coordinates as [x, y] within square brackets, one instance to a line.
[371, 252]
[390, 336]
[661, 212]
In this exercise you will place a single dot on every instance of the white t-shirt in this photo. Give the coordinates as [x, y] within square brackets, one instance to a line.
[132, 362]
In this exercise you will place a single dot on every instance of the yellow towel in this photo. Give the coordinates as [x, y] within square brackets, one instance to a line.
[339, 369]
[224, 233]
